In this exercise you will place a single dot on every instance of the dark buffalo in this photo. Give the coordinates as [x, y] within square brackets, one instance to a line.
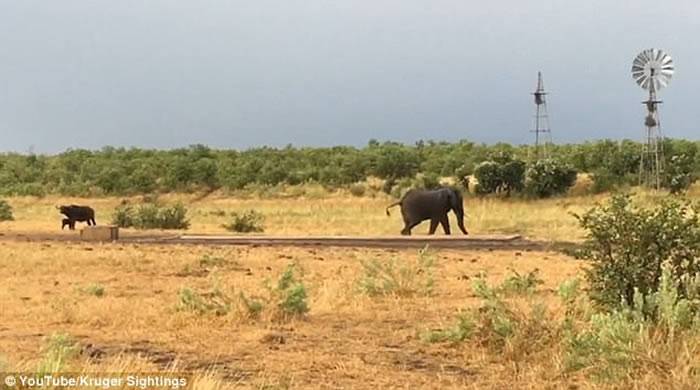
[77, 213]
[67, 222]
[419, 205]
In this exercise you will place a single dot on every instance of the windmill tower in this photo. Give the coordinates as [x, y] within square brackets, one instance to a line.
[543, 135]
[652, 69]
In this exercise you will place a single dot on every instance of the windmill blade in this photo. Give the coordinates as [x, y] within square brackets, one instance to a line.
[652, 69]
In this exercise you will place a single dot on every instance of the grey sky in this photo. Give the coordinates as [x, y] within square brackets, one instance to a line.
[168, 73]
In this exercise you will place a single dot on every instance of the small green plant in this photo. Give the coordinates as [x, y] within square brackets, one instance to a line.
[462, 330]
[208, 261]
[213, 302]
[249, 221]
[289, 295]
[95, 289]
[407, 279]
[57, 351]
[253, 307]
[517, 283]
[5, 211]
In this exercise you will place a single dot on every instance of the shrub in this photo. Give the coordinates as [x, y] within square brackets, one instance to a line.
[502, 176]
[679, 173]
[357, 189]
[249, 221]
[386, 278]
[488, 176]
[151, 216]
[5, 211]
[627, 246]
[611, 345]
[124, 215]
[547, 178]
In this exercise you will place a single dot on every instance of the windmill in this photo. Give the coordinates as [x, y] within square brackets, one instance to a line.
[541, 121]
[652, 69]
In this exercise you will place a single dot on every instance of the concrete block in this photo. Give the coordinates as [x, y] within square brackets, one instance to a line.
[100, 233]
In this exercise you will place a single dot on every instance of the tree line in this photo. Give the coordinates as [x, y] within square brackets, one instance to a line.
[130, 171]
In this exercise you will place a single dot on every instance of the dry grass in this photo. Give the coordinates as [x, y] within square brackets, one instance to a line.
[322, 213]
[347, 340]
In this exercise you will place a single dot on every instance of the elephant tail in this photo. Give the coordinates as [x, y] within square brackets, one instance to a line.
[390, 206]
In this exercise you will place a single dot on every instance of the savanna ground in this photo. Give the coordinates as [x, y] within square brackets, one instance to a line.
[122, 304]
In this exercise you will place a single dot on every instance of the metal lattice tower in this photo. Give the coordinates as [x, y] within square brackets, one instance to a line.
[543, 135]
[652, 69]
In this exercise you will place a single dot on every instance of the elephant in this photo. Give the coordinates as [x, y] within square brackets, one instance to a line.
[418, 205]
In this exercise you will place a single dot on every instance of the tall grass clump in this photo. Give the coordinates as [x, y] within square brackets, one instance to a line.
[58, 350]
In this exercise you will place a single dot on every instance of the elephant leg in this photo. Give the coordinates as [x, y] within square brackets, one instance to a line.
[445, 222]
[460, 223]
[433, 225]
[407, 229]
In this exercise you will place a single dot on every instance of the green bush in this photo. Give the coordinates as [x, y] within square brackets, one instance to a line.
[546, 178]
[5, 211]
[249, 221]
[151, 216]
[627, 245]
[610, 346]
[679, 173]
[501, 176]
[358, 189]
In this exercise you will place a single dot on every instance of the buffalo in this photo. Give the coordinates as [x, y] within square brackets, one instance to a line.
[77, 213]
[67, 222]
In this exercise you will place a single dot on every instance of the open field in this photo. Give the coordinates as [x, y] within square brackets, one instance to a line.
[123, 303]
[347, 340]
[332, 214]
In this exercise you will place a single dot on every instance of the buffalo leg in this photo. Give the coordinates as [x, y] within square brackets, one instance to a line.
[445, 222]
[71, 224]
[433, 225]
